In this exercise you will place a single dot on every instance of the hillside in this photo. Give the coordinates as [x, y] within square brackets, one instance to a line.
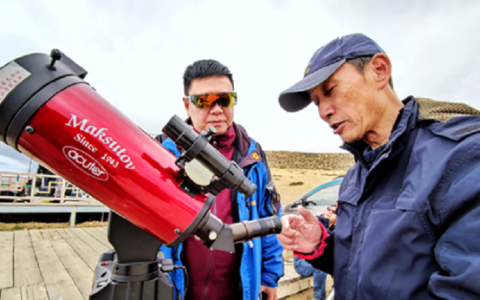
[296, 173]
[310, 161]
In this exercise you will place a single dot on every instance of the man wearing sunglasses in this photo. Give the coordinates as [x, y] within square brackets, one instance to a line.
[408, 218]
[331, 214]
[256, 266]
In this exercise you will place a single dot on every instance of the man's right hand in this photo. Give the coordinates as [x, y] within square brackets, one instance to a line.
[301, 234]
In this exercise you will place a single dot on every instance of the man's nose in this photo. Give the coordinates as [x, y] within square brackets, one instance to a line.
[326, 110]
[216, 108]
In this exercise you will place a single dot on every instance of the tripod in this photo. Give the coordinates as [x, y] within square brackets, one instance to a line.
[134, 269]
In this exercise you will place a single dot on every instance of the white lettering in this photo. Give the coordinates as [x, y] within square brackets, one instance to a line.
[91, 129]
[81, 139]
[125, 158]
[73, 120]
[100, 134]
[108, 139]
[85, 162]
[101, 130]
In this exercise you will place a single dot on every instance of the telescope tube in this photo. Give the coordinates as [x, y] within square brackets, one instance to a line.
[49, 113]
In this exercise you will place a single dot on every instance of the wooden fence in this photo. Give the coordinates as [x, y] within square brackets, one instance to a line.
[27, 193]
[40, 188]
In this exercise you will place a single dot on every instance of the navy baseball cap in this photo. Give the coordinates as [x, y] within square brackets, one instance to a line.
[325, 61]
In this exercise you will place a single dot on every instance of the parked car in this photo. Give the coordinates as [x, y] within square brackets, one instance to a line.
[317, 200]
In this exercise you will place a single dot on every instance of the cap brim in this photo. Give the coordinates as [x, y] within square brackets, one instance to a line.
[296, 97]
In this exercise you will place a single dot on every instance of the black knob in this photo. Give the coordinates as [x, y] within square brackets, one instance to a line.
[211, 131]
[55, 55]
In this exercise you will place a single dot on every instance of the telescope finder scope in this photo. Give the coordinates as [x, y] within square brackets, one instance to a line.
[227, 173]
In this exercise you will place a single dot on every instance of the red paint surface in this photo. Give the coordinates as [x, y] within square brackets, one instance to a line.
[143, 188]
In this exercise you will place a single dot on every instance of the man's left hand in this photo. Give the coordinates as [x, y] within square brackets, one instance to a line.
[271, 292]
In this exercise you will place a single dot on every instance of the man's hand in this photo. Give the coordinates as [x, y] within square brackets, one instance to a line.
[270, 291]
[301, 234]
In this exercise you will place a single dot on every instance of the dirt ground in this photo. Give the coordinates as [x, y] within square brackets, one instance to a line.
[293, 183]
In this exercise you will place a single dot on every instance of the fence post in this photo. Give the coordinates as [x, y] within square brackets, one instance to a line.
[32, 188]
[62, 190]
[73, 218]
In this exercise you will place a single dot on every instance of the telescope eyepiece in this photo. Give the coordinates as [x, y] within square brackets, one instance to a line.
[248, 230]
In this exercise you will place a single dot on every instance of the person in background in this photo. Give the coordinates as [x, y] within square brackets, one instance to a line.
[409, 211]
[331, 215]
[303, 268]
[256, 266]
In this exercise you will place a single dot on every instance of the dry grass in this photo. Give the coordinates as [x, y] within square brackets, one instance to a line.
[310, 161]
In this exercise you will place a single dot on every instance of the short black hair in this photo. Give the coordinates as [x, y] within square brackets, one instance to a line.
[360, 62]
[204, 68]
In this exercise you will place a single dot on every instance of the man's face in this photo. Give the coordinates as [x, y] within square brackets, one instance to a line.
[346, 102]
[331, 215]
[219, 117]
[330, 212]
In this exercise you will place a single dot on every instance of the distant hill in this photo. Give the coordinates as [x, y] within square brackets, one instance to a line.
[313, 161]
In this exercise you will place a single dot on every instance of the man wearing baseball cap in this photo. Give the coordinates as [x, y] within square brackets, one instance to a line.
[408, 219]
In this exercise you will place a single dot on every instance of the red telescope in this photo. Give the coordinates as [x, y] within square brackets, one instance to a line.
[49, 113]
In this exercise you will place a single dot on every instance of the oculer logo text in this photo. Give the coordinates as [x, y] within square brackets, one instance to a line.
[85, 163]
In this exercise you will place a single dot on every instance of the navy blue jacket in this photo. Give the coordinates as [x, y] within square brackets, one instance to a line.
[261, 260]
[408, 223]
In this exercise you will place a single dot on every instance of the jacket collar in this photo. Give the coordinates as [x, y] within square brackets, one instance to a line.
[398, 138]
[242, 140]
[241, 143]
[246, 154]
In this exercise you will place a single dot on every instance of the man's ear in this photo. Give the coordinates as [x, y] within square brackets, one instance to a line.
[186, 104]
[382, 69]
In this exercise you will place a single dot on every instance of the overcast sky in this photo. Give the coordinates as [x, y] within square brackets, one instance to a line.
[136, 53]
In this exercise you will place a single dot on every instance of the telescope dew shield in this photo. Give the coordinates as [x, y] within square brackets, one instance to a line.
[49, 113]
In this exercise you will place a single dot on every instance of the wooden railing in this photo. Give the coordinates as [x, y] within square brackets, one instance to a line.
[40, 188]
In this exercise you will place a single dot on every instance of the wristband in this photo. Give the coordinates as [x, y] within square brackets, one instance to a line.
[319, 251]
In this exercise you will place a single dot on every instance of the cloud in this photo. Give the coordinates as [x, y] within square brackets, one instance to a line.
[136, 53]
[13, 161]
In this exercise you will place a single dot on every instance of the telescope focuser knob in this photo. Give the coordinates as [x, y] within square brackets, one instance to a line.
[211, 131]
[55, 55]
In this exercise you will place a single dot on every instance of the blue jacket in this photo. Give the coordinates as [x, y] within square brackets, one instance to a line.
[261, 264]
[408, 222]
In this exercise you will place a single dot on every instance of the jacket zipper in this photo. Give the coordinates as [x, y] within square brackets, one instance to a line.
[249, 209]
[384, 151]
